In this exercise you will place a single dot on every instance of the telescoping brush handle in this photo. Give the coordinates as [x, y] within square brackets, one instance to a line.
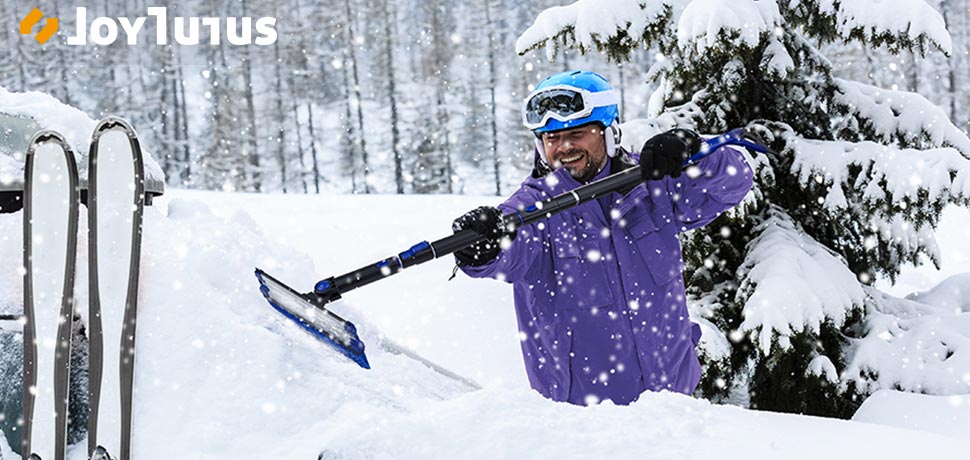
[331, 289]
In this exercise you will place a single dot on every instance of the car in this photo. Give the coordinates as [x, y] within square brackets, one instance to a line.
[24, 114]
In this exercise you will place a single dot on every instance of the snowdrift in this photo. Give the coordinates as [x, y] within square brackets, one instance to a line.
[221, 375]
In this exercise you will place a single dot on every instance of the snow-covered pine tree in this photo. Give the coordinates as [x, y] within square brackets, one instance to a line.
[783, 285]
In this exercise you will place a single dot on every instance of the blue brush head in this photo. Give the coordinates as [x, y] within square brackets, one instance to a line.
[315, 319]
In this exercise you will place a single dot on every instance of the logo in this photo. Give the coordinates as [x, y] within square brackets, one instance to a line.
[104, 31]
[46, 32]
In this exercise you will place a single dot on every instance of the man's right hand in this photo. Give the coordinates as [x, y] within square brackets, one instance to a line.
[486, 221]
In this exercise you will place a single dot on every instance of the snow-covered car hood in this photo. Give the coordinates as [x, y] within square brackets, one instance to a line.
[23, 114]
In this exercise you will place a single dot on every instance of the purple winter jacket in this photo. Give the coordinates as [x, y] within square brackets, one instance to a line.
[599, 289]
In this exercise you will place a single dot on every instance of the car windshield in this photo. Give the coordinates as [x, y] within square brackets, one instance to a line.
[15, 134]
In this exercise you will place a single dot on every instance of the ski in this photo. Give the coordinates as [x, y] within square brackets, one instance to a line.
[51, 200]
[115, 207]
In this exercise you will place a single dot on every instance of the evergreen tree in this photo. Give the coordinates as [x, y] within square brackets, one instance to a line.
[784, 283]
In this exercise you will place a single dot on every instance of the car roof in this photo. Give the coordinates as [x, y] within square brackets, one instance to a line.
[23, 114]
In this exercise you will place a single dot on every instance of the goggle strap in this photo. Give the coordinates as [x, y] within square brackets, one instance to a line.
[603, 98]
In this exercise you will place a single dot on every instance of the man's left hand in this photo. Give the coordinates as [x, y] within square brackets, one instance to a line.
[664, 154]
[486, 221]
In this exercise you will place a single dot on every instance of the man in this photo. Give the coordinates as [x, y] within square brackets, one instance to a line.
[599, 291]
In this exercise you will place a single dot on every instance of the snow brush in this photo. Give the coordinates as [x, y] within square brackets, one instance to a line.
[308, 310]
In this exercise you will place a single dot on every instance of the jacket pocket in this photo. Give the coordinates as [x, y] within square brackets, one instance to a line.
[579, 264]
[659, 249]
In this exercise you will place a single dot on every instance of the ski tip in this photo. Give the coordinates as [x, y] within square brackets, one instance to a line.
[113, 122]
[323, 324]
[51, 136]
[100, 453]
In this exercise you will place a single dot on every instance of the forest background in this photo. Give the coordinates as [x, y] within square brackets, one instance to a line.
[368, 96]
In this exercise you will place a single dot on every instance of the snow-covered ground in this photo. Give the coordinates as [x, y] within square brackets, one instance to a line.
[946, 415]
[220, 375]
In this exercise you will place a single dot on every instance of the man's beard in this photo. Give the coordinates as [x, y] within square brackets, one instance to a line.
[582, 171]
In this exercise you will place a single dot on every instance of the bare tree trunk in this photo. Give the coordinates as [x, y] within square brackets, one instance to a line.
[870, 61]
[913, 73]
[280, 116]
[496, 160]
[951, 65]
[440, 62]
[313, 150]
[112, 106]
[622, 92]
[349, 132]
[251, 137]
[299, 148]
[168, 164]
[140, 68]
[176, 121]
[360, 103]
[443, 134]
[184, 126]
[392, 97]
[61, 57]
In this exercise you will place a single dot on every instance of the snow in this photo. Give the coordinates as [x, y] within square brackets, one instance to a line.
[222, 375]
[914, 19]
[900, 114]
[701, 24]
[903, 172]
[950, 294]
[704, 23]
[913, 346]
[593, 20]
[420, 309]
[777, 59]
[520, 424]
[945, 415]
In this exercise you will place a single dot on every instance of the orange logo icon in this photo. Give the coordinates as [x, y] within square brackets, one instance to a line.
[46, 32]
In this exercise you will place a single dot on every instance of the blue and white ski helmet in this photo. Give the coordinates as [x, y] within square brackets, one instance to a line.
[592, 90]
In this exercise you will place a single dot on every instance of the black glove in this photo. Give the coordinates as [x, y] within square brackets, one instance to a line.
[486, 221]
[664, 154]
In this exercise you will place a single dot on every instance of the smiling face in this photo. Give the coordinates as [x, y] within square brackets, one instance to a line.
[582, 150]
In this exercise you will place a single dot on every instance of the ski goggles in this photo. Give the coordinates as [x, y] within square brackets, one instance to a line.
[563, 103]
